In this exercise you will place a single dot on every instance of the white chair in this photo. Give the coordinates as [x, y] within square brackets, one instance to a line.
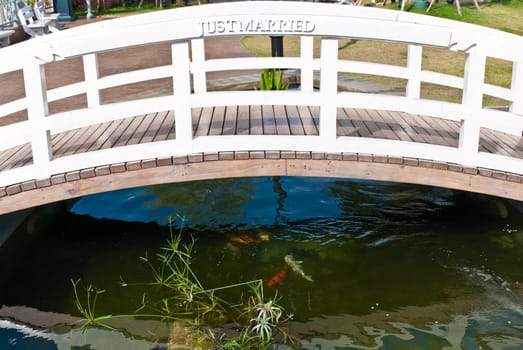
[41, 14]
[32, 26]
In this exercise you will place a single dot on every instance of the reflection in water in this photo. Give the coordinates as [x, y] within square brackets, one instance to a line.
[392, 266]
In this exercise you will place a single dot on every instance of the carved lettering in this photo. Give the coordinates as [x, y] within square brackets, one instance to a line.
[254, 26]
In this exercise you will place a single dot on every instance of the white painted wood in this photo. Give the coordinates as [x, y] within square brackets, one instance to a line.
[134, 76]
[12, 107]
[182, 91]
[474, 78]
[66, 91]
[198, 66]
[252, 63]
[291, 97]
[328, 89]
[498, 91]
[186, 29]
[414, 58]
[517, 88]
[373, 69]
[442, 79]
[91, 80]
[307, 61]
[37, 110]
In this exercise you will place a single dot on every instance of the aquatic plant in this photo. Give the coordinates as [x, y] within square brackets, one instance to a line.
[272, 79]
[188, 303]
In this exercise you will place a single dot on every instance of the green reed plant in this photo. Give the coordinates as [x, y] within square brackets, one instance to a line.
[272, 79]
[187, 301]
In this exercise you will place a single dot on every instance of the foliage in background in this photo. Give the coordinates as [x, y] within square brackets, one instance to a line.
[186, 301]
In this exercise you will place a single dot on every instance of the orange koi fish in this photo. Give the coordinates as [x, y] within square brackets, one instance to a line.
[244, 238]
[278, 278]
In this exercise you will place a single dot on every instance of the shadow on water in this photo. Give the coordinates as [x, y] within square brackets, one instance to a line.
[393, 266]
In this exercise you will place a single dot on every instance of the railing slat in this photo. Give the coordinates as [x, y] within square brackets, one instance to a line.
[517, 88]
[474, 78]
[328, 89]
[182, 90]
[197, 66]
[91, 80]
[414, 58]
[37, 110]
[307, 69]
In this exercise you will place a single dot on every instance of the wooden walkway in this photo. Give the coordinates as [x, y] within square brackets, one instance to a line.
[264, 120]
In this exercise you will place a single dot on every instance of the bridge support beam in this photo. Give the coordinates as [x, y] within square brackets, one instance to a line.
[404, 171]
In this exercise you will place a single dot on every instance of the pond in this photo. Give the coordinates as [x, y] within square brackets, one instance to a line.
[391, 266]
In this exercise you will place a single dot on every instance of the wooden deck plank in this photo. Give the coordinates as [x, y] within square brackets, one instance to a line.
[499, 141]
[218, 118]
[80, 143]
[373, 124]
[243, 123]
[23, 157]
[9, 156]
[15, 156]
[448, 129]
[60, 147]
[282, 123]
[431, 129]
[117, 133]
[358, 121]
[106, 132]
[413, 135]
[129, 133]
[256, 120]
[396, 127]
[165, 128]
[385, 131]
[269, 121]
[154, 127]
[315, 112]
[310, 126]
[229, 124]
[344, 125]
[295, 124]
[196, 113]
[171, 119]
[142, 129]
[204, 123]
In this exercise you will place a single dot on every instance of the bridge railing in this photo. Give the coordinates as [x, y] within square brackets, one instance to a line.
[187, 29]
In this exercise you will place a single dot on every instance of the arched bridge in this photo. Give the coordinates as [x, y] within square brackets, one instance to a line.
[104, 128]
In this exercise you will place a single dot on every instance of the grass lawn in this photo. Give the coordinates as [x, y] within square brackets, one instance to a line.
[507, 16]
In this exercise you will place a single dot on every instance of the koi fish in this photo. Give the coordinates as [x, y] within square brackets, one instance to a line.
[244, 238]
[278, 278]
[295, 266]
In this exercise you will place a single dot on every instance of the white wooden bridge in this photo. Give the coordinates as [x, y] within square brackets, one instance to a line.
[190, 132]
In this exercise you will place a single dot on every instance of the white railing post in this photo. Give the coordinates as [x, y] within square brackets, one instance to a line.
[91, 80]
[516, 106]
[198, 66]
[414, 60]
[182, 91]
[307, 60]
[474, 79]
[328, 88]
[37, 110]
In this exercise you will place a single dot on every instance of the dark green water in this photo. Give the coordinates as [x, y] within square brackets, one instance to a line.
[393, 266]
